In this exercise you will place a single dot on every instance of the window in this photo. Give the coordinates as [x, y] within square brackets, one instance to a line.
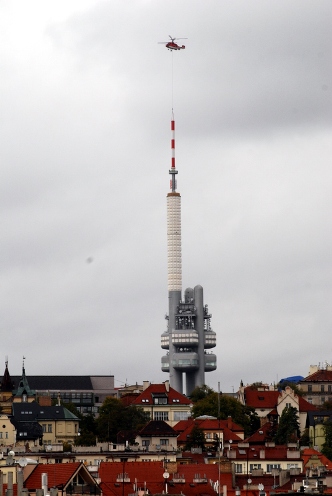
[271, 466]
[145, 442]
[309, 388]
[292, 465]
[164, 442]
[49, 427]
[181, 415]
[0, 435]
[255, 466]
[160, 401]
[160, 415]
[322, 388]
[329, 388]
[44, 427]
[238, 468]
[288, 405]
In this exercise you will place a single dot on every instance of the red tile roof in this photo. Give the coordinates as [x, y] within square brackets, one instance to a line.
[269, 400]
[319, 376]
[173, 397]
[310, 452]
[58, 474]
[265, 433]
[149, 475]
[184, 428]
[261, 399]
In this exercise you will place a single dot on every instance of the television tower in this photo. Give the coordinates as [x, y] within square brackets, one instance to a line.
[189, 332]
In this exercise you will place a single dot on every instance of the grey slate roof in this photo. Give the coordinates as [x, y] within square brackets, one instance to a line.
[33, 411]
[57, 382]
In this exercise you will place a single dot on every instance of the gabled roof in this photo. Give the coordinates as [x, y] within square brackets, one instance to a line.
[261, 399]
[60, 474]
[269, 400]
[184, 428]
[319, 376]
[158, 390]
[305, 406]
[157, 428]
[308, 453]
[264, 434]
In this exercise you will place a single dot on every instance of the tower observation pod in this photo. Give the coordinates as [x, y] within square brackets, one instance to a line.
[188, 335]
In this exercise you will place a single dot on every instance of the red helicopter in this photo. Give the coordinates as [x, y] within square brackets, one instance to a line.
[171, 45]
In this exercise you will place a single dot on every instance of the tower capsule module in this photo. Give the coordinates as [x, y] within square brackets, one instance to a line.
[188, 335]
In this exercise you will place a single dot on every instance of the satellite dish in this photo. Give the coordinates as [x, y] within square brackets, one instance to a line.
[11, 453]
[23, 462]
[165, 475]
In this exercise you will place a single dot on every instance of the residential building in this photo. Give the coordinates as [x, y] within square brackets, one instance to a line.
[69, 478]
[315, 425]
[264, 458]
[57, 425]
[269, 404]
[7, 431]
[226, 431]
[162, 402]
[317, 386]
[157, 435]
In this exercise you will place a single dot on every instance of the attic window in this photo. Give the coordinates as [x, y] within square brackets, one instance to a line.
[261, 398]
[260, 432]
[176, 400]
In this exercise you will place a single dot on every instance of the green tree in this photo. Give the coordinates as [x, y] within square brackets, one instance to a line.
[196, 439]
[227, 406]
[200, 392]
[288, 428]
[327, 446]
[88, 431]
[305, 438]
[114, 416]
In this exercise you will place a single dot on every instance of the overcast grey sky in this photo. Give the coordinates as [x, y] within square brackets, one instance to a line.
[85, 109]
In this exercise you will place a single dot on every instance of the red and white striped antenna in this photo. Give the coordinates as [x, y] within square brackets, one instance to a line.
[173, 170]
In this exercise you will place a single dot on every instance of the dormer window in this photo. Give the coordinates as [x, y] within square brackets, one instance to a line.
[24, 398]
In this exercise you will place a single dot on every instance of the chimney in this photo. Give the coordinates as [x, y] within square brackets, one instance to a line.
[146, 384]
[167, 386]
[229, 422]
